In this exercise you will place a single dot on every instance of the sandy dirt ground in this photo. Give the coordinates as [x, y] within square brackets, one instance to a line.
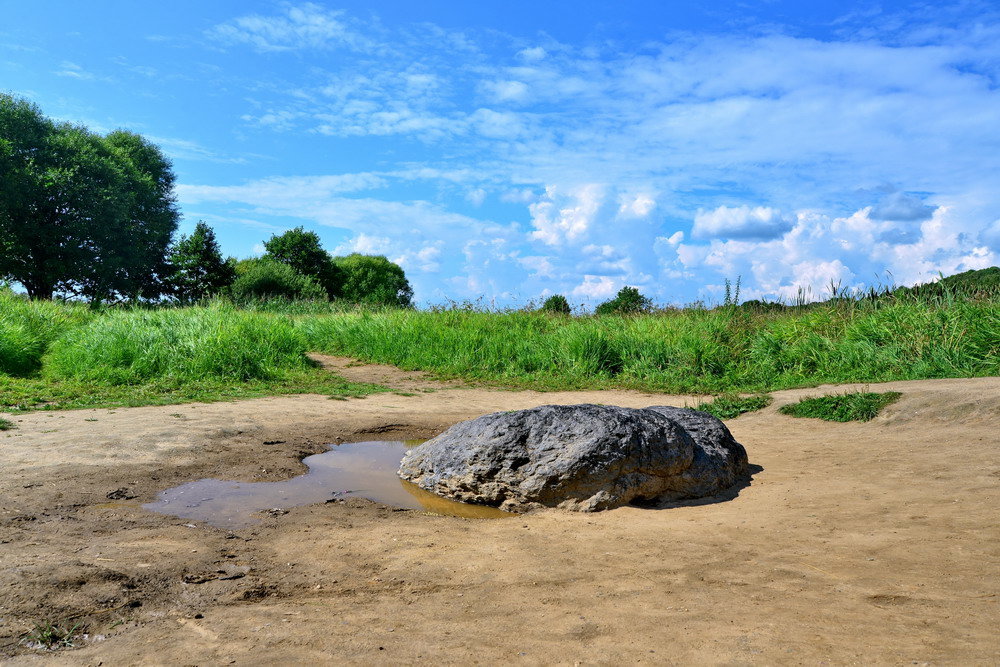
[854, 543]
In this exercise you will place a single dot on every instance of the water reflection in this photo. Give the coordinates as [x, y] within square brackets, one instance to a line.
[362, 469]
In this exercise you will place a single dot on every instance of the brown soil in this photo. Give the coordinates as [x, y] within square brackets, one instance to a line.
[855, 543]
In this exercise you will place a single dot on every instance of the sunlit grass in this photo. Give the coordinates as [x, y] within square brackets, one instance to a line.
[123, 357]
[684, 351]
[62, 355]
[855, 406]
[731, 406]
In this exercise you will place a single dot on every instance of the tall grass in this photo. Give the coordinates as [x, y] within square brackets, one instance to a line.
[175, 346]
[27, 328]
[54, 353]
[698, 350]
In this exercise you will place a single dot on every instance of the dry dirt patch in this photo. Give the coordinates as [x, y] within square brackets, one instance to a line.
[869, 542]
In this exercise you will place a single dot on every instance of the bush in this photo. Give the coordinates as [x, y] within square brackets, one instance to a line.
[628, 301]
[258, 279]
[179, 345]
[557, 305]
[302, 251]
[373, 280]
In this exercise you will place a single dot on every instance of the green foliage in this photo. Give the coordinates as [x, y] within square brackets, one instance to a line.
[556, 305]
[263, 278]
[58, 355]
[758, 305]
[302, 251]
[197, 269]
[178, 346]
[857, 406]
[692, 350]
[27, 328]
[965, 284]
[80, 213]
[51, 637]
[730, 406]
[6, 424]
[373, 280]
[628, 301]
[732, 294]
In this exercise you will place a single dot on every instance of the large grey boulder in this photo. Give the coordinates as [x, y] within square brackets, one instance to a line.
[578, 457]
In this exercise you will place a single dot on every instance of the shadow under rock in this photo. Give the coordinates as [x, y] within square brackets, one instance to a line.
[723, 496]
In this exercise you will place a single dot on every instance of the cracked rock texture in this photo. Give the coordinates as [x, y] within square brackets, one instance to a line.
[579, 457]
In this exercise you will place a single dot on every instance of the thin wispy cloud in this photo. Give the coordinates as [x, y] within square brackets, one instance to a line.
[73, 71]
[185, 149]
[516, 166]
[305, 26]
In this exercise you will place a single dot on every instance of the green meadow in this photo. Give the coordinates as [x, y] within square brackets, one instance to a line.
[67, 355]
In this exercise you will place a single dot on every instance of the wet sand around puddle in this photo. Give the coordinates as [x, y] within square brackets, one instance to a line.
[355, 469]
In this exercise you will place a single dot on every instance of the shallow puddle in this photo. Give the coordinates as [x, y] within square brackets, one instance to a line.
[356, 469]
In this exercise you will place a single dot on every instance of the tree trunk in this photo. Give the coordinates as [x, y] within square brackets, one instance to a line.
[38, 291]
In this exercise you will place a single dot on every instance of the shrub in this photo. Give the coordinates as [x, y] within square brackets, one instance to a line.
[258, 279]
[302, 251]
[373, 280]
[628, 301]
[557, 305]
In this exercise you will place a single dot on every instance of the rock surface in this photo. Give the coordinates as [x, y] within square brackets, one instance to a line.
[578, 457]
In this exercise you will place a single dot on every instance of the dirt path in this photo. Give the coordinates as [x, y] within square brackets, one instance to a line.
[856, 543]
[387, 376]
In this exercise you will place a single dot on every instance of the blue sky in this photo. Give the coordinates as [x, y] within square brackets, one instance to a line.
[511, 150]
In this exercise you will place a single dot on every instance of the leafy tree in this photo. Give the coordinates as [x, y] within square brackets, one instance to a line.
[265, 278]
[80, 213]
[302, 251]
[197, 269]
[628, 301]
[373, 279]
[556, 304]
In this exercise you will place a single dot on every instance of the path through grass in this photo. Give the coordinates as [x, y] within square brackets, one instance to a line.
[684, 351]
[66, 356]
[58, 355]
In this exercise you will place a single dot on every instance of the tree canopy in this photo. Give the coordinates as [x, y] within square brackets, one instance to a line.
[557, 305]
[81, 213]
[302, 251]
[628, 301]
[197, 269]
[374, 280]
